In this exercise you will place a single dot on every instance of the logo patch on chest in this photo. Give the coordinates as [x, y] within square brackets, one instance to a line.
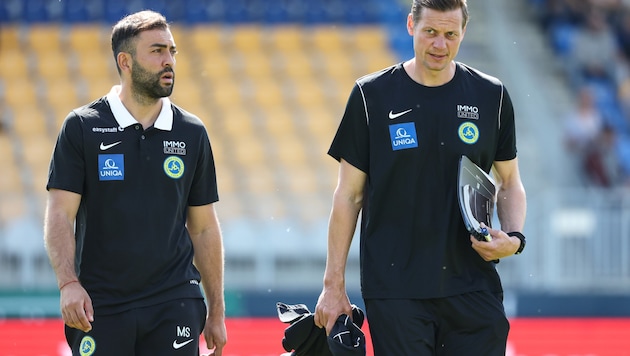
[111, 167]
[403, 136]
[468, 133]
[174, 167]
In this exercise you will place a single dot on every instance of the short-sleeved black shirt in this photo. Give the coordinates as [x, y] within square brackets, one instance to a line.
[133, 248]
[408, 139]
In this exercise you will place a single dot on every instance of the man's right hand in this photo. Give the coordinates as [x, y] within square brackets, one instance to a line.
[331, 303]
[76, 307]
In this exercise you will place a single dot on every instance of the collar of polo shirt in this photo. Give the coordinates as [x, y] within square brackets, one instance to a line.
[125, 119]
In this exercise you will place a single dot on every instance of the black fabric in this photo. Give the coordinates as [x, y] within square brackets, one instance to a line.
[408, 139]
[346, 337]
[303, 338]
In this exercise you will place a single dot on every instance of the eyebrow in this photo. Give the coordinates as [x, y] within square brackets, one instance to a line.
[161, 45]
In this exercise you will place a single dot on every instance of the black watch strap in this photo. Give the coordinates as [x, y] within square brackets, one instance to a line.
[520, 237]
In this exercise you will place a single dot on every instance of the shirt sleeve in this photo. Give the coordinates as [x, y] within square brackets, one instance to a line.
[204, 186]
[67, 165]
[506, 146]
[351, 142]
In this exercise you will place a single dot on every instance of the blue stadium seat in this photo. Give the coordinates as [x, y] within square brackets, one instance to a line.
[76, 11]
[35, 11]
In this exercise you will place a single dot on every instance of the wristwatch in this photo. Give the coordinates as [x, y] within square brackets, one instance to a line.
[520, 237]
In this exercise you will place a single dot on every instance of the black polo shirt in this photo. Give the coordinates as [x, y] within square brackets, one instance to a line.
[133, 248]
[408, 139]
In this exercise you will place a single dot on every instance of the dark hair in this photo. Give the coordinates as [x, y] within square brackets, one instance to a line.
[128, 28]
[439, 5]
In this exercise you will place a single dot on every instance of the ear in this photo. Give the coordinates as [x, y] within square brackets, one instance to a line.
[124, 61]
[410, 24]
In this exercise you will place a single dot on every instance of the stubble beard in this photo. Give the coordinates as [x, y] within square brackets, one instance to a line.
[146, 86]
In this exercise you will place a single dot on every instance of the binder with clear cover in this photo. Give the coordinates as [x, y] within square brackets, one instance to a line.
[476, 193]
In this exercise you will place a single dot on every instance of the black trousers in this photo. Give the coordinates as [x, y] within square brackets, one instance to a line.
[170, 328]
[467, 324]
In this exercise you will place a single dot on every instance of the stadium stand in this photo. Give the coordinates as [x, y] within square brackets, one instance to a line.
[270, 83]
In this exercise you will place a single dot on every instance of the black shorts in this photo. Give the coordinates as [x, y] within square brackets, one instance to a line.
[466, 324]
[170, 328]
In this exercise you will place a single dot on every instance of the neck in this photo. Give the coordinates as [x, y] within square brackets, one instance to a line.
[145, 110]
[429, 78]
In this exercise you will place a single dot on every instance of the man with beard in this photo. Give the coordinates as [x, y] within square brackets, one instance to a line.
[130, 225]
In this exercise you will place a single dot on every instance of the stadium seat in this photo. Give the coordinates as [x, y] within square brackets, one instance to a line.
[44, 38]
[95, 65]
[61, 97]
[247, 38]
[19, 93]
[52, 66]
[10, 179]
[88, 38]
[29, 120]
[38, 149]
[187, 93]
[10, 37]
[14, 65]
[286, 38]
[12, 206]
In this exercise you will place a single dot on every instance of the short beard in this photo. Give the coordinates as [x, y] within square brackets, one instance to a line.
[146, 86]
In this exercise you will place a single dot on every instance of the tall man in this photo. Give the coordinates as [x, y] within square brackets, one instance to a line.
[429, 287]
[130, 207]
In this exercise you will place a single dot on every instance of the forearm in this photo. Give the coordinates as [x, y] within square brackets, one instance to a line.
[60, 245]
[512, 207]
[209, 261]
[343, 220]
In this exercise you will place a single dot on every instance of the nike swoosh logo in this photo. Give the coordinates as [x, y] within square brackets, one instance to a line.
[177, 345]
[393, 116]
[106, 147]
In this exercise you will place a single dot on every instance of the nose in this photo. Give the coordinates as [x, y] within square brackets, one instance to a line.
[440, 42]
[169, 59]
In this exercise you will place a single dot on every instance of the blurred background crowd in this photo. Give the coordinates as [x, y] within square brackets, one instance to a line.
[592, 42]
[270, 80]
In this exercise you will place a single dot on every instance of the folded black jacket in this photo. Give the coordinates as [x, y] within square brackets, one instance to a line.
[303, 338]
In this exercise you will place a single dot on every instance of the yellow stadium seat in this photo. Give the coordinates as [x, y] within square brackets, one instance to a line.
[298, 66]
[44, 38]
[37, 152]
[236, 121]
[89, 38]
[96, 88]
[29, 120]
[329, 38]
[267, 92]
[225, 93]
[255, 65]
[61, 97]
[187, 92]
[13, 65]
[12, 207]
[369, 38]
[20, 92]
[301, 180]
[215, 66]
[289, 149]
[10, 179]
[53, 66]
[208, 40]
[287, 39]
[247, 38]
[10, 37]
[95, 66]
